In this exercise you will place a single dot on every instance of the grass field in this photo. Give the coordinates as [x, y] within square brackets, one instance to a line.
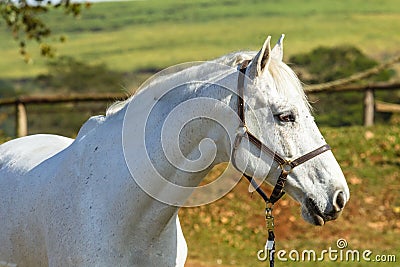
[129, 36]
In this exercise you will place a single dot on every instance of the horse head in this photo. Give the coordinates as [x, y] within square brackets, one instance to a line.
[314, 177]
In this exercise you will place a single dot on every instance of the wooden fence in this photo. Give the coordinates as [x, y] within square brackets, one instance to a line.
[370, 104]
[21, 118]
[341, 85]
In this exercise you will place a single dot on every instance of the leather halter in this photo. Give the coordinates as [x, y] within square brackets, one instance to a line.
[285, 165]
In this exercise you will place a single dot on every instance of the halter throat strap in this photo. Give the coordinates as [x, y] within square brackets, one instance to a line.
[285, 165]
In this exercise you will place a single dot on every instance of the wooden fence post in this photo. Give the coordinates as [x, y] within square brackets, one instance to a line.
[21, 122]
[369, 107]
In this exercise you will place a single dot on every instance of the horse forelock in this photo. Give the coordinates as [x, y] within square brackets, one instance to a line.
[286, 81]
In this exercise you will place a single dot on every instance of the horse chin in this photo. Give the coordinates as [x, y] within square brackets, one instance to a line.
[314, 219]
[312, 213]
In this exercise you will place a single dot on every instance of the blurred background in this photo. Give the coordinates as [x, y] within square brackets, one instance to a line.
[110, 48]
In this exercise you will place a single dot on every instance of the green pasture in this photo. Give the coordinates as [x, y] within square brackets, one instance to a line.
[130, 36]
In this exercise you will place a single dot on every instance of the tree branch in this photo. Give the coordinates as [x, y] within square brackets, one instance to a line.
[25, 23]
[355, 77]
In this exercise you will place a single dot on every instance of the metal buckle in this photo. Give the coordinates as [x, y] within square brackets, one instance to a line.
[286, 167]
[269, 218]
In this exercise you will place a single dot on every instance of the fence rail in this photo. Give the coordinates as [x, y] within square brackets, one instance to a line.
[370, 104]
[62, 98]
[21, 117]
[347, 88]
[381, 106]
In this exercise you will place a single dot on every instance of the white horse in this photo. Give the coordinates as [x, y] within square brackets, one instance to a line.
[66, 202]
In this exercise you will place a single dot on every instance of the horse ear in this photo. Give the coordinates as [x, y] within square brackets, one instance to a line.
[261, 60]
[277, 51]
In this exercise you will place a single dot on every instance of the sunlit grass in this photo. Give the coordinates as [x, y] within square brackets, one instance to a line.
[130, 36]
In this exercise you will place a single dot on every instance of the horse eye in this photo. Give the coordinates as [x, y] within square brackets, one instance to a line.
[286, 117]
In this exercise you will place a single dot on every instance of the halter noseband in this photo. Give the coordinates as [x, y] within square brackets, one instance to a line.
[285, 165]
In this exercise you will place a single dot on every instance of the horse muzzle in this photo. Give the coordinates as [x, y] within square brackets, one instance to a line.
[315, 214]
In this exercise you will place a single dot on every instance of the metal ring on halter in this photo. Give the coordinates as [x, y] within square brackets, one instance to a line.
[286, 167]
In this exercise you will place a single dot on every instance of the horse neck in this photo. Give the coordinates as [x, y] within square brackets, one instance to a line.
[188, 137]
[199, 130]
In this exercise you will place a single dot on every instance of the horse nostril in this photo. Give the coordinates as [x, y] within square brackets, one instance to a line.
[339, 201]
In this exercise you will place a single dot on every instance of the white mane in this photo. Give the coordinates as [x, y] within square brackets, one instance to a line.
[284, 77]
[286, 81]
